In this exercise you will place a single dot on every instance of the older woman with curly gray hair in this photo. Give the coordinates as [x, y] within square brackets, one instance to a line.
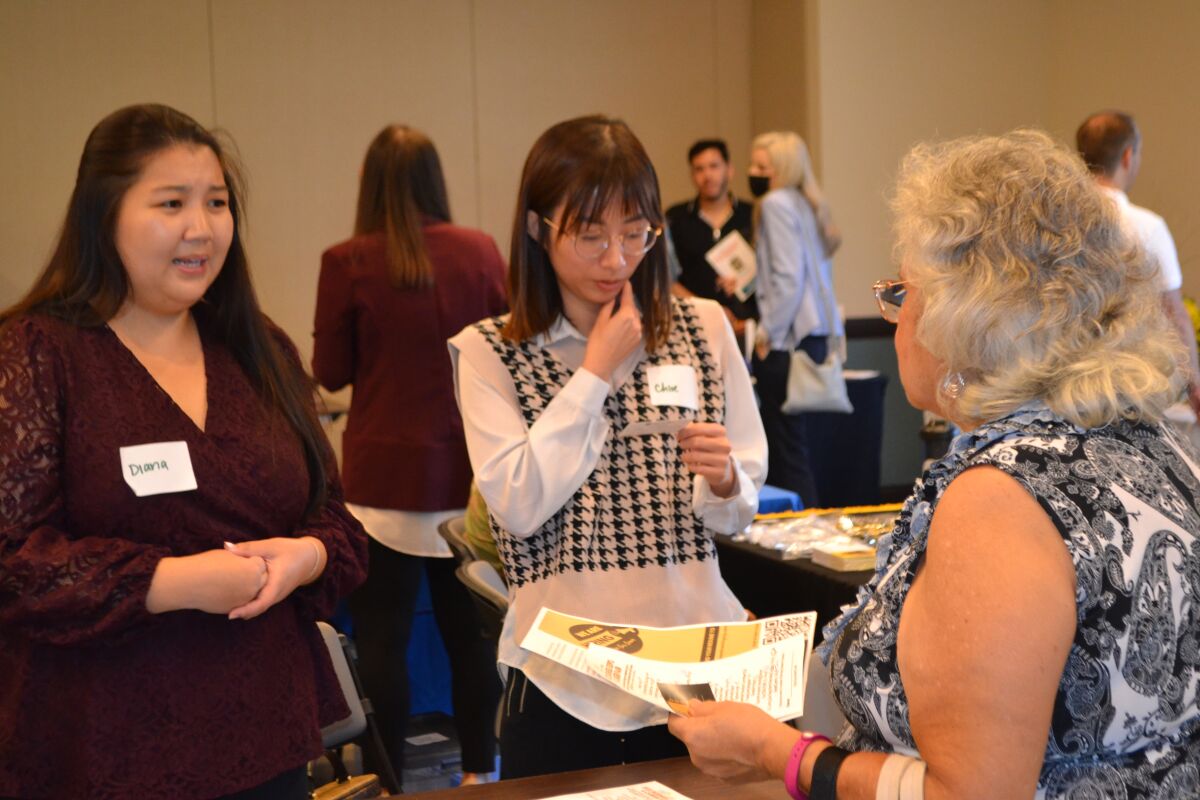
[1033, 627]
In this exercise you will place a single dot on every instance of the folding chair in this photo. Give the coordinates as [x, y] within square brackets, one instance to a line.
[489, 593]
[361, 718]
[452, 530]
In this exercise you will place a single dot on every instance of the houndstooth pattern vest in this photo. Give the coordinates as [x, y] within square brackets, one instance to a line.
[635, 508]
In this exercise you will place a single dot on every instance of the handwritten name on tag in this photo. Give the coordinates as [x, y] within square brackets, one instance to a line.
[158, 468]
[673, 385]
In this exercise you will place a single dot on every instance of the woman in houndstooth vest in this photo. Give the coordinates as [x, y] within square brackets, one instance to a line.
[612, 431]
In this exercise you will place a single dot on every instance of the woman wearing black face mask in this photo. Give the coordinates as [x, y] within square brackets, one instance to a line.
[795, 238]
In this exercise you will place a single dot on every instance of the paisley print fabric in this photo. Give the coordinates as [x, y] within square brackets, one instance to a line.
[1124, 498]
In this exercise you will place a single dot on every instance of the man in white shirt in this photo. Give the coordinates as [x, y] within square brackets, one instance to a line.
[1111, 145]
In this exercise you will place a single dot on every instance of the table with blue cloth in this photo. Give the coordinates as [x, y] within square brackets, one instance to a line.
[773, 500]
[845, 450]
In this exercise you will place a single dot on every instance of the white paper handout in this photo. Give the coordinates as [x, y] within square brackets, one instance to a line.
[158, 468]
[637, 791]
[764, 662]
[770, 677]
[732, 257]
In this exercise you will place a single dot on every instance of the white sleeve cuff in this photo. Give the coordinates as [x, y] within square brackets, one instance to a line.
[726, 514]
[587, 391]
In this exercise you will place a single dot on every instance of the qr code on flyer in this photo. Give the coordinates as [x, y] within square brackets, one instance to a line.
[776, 629]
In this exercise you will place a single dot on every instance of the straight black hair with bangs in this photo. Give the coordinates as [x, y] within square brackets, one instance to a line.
[583, 165]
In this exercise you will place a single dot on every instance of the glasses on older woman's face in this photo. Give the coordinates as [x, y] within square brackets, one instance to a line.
[591, 241]
[890, 295]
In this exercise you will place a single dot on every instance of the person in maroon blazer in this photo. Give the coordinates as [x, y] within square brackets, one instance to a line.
[387, 300]
[171, 523]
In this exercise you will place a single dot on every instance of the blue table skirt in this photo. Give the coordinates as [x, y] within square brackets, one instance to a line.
[772, 500]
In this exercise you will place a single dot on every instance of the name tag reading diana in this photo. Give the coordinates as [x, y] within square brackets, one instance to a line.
[673, 385]
[159, 468]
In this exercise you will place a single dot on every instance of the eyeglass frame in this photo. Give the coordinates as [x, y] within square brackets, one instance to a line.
[650, 229]
[888, 299]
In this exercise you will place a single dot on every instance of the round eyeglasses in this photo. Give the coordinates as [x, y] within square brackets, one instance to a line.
[890, 295]
[591, 244]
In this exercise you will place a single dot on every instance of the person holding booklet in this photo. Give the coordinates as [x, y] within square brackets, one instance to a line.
[695, 227]
[171, 522]
[794, 241]
[612, 431]
[1031, 627]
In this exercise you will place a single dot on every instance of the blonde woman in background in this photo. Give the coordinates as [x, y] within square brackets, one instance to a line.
[1031, 629]
[794, 241]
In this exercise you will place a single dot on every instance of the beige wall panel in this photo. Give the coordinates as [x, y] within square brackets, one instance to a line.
[651, 63]
[64, 65]
[303, 86]
[892, 74]
[731, 87]
[1142, 59]
[779, 82]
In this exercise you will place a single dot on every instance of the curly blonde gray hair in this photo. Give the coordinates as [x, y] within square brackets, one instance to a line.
[1030, 288]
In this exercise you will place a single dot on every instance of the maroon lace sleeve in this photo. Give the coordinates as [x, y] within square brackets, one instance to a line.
[57, 586]
[343, 536]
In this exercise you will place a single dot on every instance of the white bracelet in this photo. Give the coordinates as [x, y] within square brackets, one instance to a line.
[316, 562]
[901, 778]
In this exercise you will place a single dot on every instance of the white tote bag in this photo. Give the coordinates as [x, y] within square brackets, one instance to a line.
[819, 387]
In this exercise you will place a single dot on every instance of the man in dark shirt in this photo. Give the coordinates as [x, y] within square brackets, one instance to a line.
[697, 225]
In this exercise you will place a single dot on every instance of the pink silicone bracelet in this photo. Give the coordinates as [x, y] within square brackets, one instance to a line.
[791, 774]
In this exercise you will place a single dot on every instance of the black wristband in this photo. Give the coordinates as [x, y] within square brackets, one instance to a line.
[823, 785]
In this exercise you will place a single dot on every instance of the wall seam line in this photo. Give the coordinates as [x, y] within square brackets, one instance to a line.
[475, 119]
[716, 63]
[212, 64]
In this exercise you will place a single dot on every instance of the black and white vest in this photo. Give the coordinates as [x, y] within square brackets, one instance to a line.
[635, 508]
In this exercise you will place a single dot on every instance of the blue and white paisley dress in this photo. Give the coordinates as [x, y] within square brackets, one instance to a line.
[1126, 723]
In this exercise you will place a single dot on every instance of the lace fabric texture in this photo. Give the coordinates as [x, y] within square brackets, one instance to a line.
[1124, 498]
[98, 698]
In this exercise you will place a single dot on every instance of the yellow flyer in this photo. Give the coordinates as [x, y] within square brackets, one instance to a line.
[764, 662]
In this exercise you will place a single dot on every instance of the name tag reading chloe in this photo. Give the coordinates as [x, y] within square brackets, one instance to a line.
[673, 385]
[158, 468]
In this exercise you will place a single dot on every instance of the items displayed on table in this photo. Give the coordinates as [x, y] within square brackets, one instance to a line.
[842, 539]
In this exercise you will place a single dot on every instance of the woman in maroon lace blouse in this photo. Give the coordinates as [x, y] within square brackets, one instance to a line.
[171, 524]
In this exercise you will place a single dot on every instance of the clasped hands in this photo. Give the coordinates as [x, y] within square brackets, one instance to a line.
[704, 447]
[240, 581]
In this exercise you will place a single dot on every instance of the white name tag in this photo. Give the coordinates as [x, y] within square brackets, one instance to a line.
[159, 468]
[673, 385]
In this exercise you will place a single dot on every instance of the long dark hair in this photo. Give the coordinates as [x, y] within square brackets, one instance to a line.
[401, 181]
[85, 283]
[584, 164]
